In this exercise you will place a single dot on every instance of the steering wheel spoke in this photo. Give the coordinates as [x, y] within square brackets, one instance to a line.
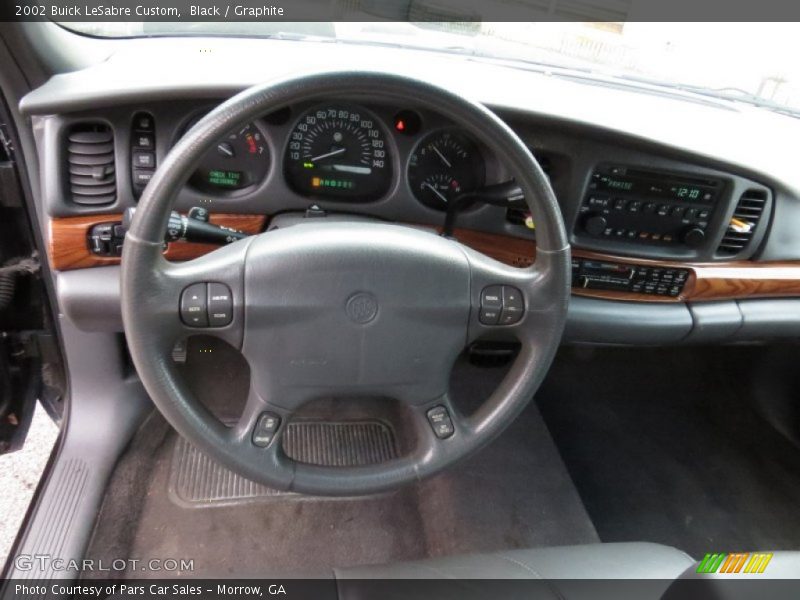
[261, 423]
[201, 296]
[505, 299]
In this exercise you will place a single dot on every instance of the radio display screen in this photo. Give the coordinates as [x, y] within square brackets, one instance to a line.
[646, 183]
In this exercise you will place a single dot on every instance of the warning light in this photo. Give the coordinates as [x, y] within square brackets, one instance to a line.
[315, 182]
[407, 122]
[252, 148]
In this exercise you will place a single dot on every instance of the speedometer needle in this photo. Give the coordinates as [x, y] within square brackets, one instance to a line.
[441, 196]
[336, 152]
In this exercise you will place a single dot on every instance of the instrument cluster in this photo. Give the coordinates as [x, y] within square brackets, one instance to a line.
[339, 151]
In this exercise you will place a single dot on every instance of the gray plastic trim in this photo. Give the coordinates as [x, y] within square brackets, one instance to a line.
[106, 407]
[773, 318]
[90, 298]
[611, 322]
[714, 321]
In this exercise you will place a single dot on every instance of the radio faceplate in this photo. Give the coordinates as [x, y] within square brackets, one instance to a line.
[626, 204]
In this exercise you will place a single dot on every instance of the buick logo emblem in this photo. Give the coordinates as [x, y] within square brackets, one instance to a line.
[362, 308]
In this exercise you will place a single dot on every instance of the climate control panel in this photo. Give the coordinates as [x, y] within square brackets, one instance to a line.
[621, 277]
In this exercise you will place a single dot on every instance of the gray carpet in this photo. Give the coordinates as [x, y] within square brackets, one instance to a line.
[515, 493]
[666, 445]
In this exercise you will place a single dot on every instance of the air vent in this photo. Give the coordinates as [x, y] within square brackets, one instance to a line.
[90, 156]
[743, 224]
[521, 216]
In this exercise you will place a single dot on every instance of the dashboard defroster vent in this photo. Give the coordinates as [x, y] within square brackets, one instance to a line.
[744, 222]
[90, 163]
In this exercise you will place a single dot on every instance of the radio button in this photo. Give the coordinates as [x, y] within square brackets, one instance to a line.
[490, 316]
[634, 206]
[663, 210]
[513, 305]
[597, 201]
[694, 237]
[595, 224]
[512, 299]
[492, 297]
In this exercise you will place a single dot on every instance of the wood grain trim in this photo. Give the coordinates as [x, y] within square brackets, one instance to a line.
[68, 248]
[707, 281]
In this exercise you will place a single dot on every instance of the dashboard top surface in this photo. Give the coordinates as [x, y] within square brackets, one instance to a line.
[757, 141]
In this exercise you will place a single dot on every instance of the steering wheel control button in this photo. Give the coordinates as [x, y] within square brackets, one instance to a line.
[220, 305]
[501, 305]
[265, 429]
[513, 306]
[491, 304]
[441, 423]
[194, 305]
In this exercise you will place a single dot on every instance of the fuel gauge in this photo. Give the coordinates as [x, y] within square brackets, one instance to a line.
[444, 165]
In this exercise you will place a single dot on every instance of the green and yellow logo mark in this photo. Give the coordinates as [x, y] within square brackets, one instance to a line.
[737, 562]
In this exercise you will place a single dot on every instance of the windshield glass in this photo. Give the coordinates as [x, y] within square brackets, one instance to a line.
[749, 62]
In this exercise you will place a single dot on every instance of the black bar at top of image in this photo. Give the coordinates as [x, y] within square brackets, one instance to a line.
[401, 10]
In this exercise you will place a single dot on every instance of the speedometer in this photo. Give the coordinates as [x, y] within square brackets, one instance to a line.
[338, 152]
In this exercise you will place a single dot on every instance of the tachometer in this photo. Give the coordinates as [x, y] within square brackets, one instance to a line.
[338, 152]
[238, 161]
[443, 165]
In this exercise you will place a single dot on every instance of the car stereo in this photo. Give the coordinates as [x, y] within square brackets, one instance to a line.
[648, 207]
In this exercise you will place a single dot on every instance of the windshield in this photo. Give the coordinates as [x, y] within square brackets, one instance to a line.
[749, 62]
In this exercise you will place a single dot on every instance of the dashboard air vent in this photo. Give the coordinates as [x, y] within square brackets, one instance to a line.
[743, 222]
[522, 216]
[90, 157]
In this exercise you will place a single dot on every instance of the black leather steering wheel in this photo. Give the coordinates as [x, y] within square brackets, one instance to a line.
[344, 309]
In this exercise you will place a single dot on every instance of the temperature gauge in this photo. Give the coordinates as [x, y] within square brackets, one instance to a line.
[444, 165]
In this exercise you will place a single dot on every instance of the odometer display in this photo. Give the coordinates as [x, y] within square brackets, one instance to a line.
[338, 152]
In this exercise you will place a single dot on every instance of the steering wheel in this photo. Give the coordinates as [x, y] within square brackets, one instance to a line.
[356, 309]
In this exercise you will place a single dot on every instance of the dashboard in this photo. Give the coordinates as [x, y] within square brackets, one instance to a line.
[668, 244]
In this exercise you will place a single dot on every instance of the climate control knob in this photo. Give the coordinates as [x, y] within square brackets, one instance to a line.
[693, 237]
[595, 224]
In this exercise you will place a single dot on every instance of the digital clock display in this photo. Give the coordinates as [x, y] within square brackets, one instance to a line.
[651, 184]
[690, 193]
